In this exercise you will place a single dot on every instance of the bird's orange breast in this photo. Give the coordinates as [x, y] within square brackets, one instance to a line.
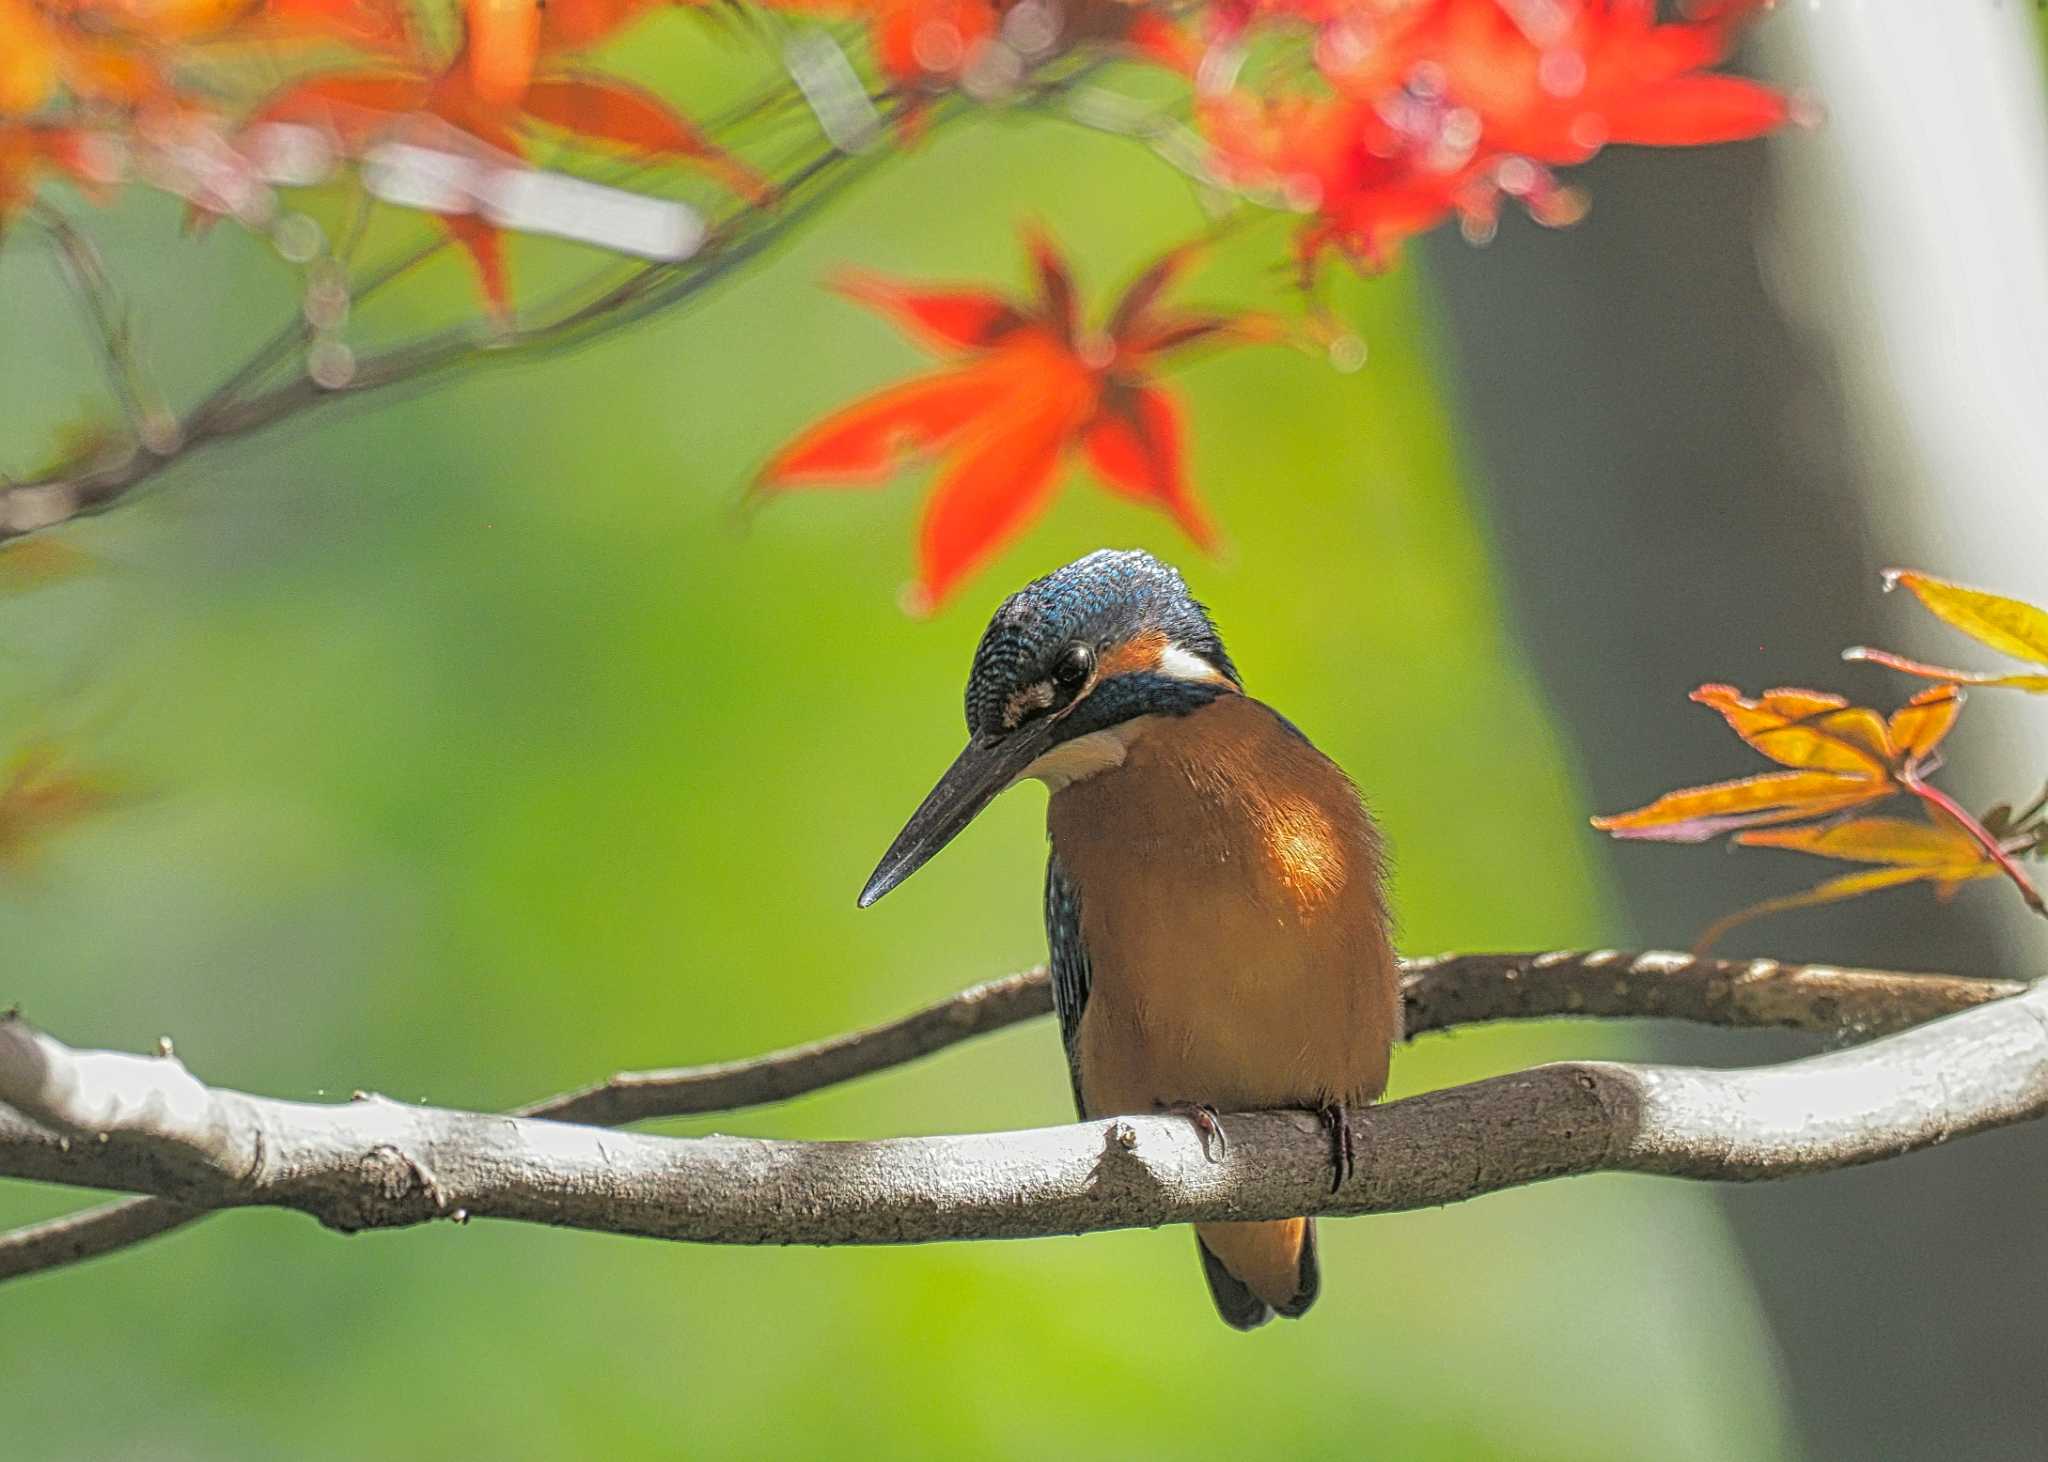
[1230, 891]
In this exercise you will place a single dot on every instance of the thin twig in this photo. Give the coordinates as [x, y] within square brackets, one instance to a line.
[295, 334]
[637, 1096]
[142, 404]
[1993, 848]
[227, 412]
[85, 486]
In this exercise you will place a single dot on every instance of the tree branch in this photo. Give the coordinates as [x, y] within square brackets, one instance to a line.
[1439, 993]
[810, 177]
[142, 404]
[235, 409]
[107, 1120]
[88, 1234]
[638, 1096]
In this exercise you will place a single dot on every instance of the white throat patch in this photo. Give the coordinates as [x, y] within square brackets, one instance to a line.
[1085, 756]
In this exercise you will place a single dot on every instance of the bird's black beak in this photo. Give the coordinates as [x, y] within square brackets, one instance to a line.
[988, 765]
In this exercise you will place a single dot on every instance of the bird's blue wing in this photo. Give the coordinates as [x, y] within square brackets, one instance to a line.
[1069, 961]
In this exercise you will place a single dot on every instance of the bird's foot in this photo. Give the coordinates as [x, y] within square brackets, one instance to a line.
[1343, 1151]
[1207, 1123]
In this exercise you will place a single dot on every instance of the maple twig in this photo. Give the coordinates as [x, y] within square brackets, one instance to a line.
[1439, 993]
[2031, 811]
[87, 485]
[1992, 847]
[82, 267]
[109, 1120]
[298, 331]
[1921, 668]
[1163, 134]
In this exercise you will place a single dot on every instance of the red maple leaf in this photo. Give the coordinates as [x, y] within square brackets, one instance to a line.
[921, 47]
[927, 47]
[357, 108]
[1443, 106]
[29, 152]
[1031, 386]
[1338, 159]
[1557, 82]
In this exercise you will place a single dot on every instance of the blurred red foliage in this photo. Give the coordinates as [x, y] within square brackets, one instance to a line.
[1373, 119]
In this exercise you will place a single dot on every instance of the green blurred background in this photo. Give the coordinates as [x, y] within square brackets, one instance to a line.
[482, 749]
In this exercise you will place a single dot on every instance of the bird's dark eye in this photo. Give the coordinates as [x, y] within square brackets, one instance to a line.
[1075, 664]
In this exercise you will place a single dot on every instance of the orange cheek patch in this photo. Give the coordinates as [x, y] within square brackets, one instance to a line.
[1140, 652]
[1304, 851]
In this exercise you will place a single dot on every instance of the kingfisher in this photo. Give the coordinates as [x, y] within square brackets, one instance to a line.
[1214, 903]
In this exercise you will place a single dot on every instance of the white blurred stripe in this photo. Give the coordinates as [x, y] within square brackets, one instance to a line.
[590, 213]
[1915, 243]
[228, 175]
[829, 83]
[422, 177]
[1937, 210]
[286, 155]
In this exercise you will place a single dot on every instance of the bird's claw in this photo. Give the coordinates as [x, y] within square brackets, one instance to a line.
[1208, 1124]
[1343, 1151]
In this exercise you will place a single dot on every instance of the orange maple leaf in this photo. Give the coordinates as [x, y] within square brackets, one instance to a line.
[2010, 626]
[1939, 851]
[123, 53]
[40, 796]
[1841, 756]
[30, 153]
[372, 25]
[508, 39]
[1031, 387]
[45, 50]
[33, 563]
[358, 108]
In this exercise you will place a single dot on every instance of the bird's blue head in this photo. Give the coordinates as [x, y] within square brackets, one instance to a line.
[1063, 675]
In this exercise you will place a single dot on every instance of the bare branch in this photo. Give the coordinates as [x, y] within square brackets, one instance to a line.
[635, 1096]
[1440, 992]
[88, 1234]
[149, 418]
[145, 1124]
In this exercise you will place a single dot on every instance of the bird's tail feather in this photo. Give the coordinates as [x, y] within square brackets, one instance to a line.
[1258, 1269]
